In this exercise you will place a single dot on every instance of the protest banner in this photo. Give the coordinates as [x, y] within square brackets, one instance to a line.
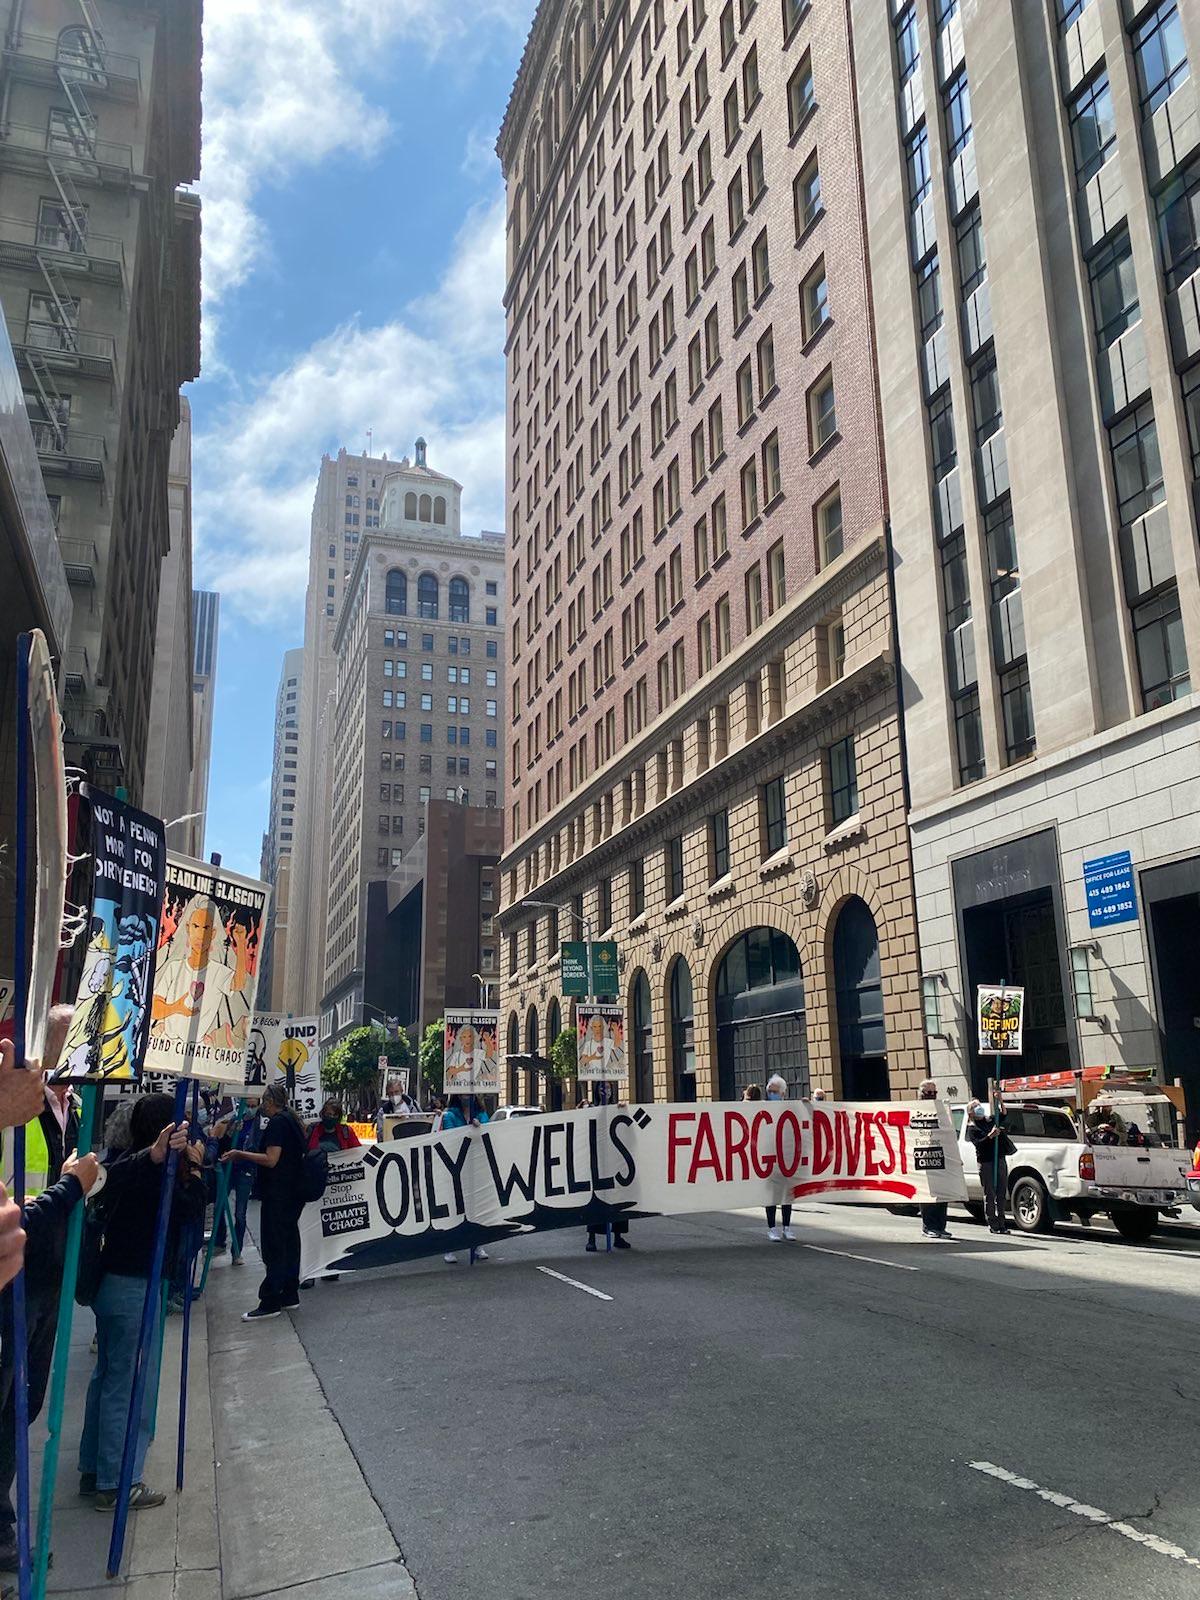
[6, 996]
[1000, 1014]
[283, 1049]
[600, 1051]
[207, 971]
[471, 1057]
[109, 1031]
[470, 1186]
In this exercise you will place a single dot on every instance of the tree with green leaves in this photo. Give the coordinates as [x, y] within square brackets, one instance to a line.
[433, 1055]
[564, 1053]
[351, 1069]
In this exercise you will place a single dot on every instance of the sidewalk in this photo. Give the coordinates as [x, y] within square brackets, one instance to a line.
[274, 1501]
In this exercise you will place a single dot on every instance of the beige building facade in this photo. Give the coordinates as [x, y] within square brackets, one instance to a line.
[705, 744]
[99, 281]
[279, 838]
[1031, 173]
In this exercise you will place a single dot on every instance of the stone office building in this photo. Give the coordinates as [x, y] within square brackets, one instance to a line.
[1031, 173]
[703, 731]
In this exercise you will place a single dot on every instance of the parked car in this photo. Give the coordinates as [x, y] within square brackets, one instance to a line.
[506, 1113]
[1061, 1124]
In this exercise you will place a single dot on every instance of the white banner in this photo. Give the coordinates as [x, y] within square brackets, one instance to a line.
[471, 1063]
[448, 1191]
[284, 1050]
[600, 1042]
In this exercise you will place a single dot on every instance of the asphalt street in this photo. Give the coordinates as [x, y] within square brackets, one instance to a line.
[844, 1416]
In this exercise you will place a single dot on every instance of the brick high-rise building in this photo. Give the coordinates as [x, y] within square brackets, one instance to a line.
[704, 757]
[1031, 178]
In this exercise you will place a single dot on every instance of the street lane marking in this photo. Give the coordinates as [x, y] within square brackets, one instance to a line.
[900, 1266]
[574, 1282]
[1163, 1547]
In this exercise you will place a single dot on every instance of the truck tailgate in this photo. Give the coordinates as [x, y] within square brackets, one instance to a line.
[1148, 1177]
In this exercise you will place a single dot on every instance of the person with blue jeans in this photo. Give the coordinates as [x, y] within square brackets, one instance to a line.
[131, 1201]
[243, 1131]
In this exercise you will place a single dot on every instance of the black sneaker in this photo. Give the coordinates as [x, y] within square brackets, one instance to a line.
[290, 1305]
[590, 1246]
[87, 1484]
[259, 1314]
[620, 1242]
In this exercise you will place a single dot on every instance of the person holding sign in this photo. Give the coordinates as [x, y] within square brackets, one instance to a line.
[992, 1150]
[279, 1161]
[459, 1109]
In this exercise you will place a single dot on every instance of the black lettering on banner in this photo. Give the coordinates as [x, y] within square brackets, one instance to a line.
[599, 1184]
[516, 1179]
[931, 1159]
[352, 1218]
[454, 1166]
[551, 1186]
[621, 1124]
[392, 1161]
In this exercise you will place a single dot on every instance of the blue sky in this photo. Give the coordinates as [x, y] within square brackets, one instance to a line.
[353, 274]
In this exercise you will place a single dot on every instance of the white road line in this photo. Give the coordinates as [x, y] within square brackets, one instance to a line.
[900, 1266]
[574, 1282]
[1163, 1547]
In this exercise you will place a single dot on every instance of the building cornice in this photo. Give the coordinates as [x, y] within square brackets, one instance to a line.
[868, 678]
[828, 590]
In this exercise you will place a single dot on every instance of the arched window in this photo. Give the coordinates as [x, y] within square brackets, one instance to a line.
[439, 510]
[862, 1032]
[512, 1078]
[643, 1060]
[683, 1032]
[425, 514]
[397, 593]
[760, 1014]
[410, 507]
[460, 600]
[78, 57]
[427, 595]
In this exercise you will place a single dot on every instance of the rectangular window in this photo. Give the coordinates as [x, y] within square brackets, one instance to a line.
[916, 161]
[801, 97]
[1004, 574]
[1017, 710]
[1178, 209]
[774, 817]
[908, 45]
[843, 781]
[749, 482]
[637, 888]
[985, 396]
[829, 527]
[814, 301]
[1161, 652]
[674, 863]
[1093, 127]
[760, 266]
[972, 257]
[772, 477]
[1115, 305]
[929, 298]
[806, 196]
[822, 413]
[956, 587]
[718, 845]
[968, 735]
[956, 100]
[1160, 54]
[943, 448]
[1137, 469]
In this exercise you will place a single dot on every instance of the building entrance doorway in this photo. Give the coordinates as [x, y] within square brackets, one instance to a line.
[1175, 939]
[760, 1015]
[1016, 940]
[862, 1032]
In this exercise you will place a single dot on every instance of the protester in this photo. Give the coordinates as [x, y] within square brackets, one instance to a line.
[278, 1161]
[131, 1204]
[752, 1091]
[240, 1131]
[50, 1141]
[332, 1133]
[933, 1215]
[606, 1094]
[460, 1108]
[986, 1134]
[820, 1094]
[777, 1089]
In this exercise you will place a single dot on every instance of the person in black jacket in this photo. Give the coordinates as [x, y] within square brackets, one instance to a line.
[992, 1149]
[278, 1158]
[131, 1204]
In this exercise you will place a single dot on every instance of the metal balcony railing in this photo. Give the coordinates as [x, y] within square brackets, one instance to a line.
[62, 346]
[100, 160]
[81, 560]
[23, 242]
[103, 72]
[69, 452]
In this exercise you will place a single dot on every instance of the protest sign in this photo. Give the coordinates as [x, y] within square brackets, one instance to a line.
[600, 1050]
[283, 1050]
[108, 1033]
[449, 1191]
[471, 1057]
[1000, 1012]
[207, 973]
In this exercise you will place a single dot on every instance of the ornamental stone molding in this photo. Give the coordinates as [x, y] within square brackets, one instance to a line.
[809, 888]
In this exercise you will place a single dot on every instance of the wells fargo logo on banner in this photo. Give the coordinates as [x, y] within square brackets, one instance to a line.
[447, 1191]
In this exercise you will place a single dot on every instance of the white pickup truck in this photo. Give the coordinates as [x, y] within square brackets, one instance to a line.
[1064, 1165]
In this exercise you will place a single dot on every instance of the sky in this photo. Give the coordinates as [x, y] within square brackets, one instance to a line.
[353, 271]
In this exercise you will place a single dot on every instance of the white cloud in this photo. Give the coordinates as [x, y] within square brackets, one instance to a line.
[285, 88]
[437, 369]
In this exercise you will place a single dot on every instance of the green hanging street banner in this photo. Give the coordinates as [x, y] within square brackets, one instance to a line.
[604, 968]
[573, 967]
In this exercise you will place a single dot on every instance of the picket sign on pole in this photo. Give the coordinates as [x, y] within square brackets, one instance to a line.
[185, 1347]
[20, 1031]
[220, 1214]
[90, 1096]
[150, 1308]
[164, 1295]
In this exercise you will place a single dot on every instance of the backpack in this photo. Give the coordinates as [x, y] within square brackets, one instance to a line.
[314, 1175]
[91, 1272]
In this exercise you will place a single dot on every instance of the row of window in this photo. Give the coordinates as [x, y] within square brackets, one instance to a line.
[428, 597]
[456, 645]
[391, 729]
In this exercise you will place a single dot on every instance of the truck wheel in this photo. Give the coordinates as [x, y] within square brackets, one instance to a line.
[1136, 1224]
[1031, 1206]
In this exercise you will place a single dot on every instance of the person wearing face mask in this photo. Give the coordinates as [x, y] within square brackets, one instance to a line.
[933, 1216]
[992, 1149]
[777, 1089]
[332, 1133]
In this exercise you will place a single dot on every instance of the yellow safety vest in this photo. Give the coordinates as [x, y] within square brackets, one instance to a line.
[37, 1160]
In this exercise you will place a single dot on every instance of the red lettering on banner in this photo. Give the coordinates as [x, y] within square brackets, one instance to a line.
[859, 1185]
[737, 1135]
[866, 1123]
[704, 1152]
[787, 1167]
[849, 1150]
[763, 1166]
[674, 1141]
[822, 1141]
[887, 1162]
[900, 1121]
